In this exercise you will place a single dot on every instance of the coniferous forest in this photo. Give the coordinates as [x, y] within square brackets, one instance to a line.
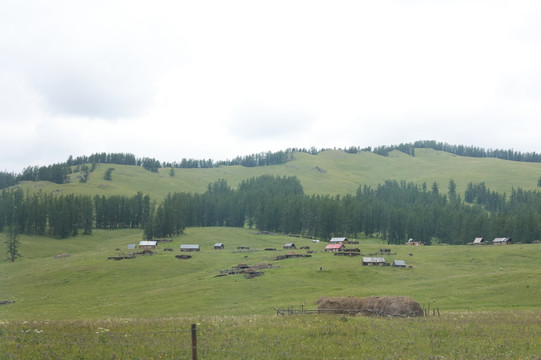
[394, 211]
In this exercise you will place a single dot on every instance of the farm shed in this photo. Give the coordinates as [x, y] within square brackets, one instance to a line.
[148, 244]
[502, 241]
[315, 241]
[399, 263]
[341, 240]
[189, 248]
[219, 246]
[373, 261]
[131, 246]
[290, 246]
[415, 243]
[478, 241]
[334, 247]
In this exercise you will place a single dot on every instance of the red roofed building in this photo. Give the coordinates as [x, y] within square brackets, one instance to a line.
[334, 247]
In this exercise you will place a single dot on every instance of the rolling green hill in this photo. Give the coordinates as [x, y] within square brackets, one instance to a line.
[330, 172]
[71, 301]
[83, 283]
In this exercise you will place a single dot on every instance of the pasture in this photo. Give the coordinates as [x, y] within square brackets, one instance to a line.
[330, 172]
[71, 301]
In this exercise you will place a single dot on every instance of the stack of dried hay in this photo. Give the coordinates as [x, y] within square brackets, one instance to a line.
[402, 306]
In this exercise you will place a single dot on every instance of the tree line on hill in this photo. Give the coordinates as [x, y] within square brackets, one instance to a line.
[394, 211]
[59, 173]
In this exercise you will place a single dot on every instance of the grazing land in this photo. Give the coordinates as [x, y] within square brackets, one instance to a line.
[90, 297]
[488, 298]
[330, 172]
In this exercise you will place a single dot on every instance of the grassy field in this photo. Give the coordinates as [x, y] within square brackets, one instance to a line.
[330, 172]
[86, 306]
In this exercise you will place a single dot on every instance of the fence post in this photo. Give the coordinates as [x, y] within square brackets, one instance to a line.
[194, 342]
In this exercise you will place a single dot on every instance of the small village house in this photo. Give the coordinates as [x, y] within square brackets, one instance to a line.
[399, 263]
[334, 247]
[131, 246]
[289, 246]
[341, 240]
[502, 241]
[219, 246]
[151, 244]
[189, 247]
[373, 261]
[479, 241]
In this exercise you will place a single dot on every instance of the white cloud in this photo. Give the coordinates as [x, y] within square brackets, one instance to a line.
[214, 79]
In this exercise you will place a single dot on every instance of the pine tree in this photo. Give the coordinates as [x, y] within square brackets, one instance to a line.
[12, 243]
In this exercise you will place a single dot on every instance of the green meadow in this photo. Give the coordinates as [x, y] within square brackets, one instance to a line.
[330, 172]
[71, 301]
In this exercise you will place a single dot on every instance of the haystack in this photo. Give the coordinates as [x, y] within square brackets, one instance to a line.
[402, 306]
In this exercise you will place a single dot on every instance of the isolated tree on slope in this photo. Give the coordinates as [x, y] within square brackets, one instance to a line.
[12, 243]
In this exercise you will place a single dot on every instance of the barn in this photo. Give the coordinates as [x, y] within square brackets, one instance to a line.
[341, 240]
[189, 247]
[399, 263]
[289, 246]
[219, 246]
[334, 247]
[502, 241]
[148, 244]
[374, 261]
[479, 241]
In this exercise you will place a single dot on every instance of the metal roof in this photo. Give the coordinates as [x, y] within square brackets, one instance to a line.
[289, 245]
[373, 259]
[399, 263]
[131, 246]
[148, 243]
[189, 246]
[478, 240]
[498, 240]
[334, 246]
[218, 244]
[335, 240]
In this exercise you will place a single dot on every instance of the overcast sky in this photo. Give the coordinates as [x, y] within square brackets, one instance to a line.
[216, 79]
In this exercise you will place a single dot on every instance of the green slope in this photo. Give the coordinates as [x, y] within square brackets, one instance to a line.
[86, 285]
[330, 172]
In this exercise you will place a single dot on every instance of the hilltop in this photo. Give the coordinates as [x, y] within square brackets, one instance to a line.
[329, 172]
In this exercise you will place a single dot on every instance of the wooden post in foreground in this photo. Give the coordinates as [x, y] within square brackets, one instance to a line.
[194, 342]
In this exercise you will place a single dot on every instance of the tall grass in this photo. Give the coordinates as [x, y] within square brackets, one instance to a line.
[464, 335]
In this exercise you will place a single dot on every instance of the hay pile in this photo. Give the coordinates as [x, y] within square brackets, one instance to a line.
[402, 306]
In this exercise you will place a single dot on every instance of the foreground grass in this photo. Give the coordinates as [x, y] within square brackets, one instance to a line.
[480, 335]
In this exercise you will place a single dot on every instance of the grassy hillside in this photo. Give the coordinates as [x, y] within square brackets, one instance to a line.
[86, 285]
[72, 302]
[330, 172]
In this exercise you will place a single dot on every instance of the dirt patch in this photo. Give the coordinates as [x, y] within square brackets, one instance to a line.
[401, 306]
